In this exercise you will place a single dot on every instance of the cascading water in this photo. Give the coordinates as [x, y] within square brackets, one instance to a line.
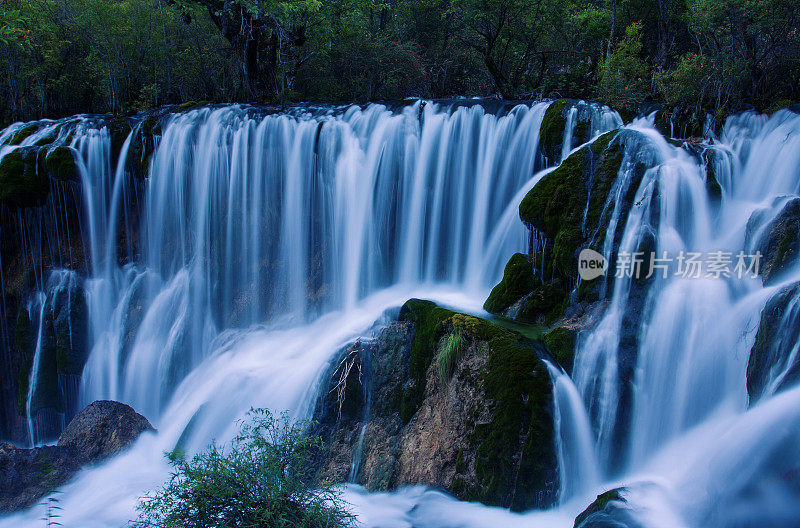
[267, 242]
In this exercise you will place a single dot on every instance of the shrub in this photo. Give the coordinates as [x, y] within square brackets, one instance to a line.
[263, 478]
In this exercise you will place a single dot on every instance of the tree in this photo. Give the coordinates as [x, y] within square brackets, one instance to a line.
[263, 478]
[623, 76]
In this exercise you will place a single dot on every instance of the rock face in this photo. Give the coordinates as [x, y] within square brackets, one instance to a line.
[770, 368]
[607, 511]
[447, 400]
[99, 431]
[780, 242]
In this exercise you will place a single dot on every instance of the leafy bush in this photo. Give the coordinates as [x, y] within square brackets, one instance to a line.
[262, 479]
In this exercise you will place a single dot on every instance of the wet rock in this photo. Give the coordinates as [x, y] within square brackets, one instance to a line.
[452, 401]
[23, 180]
[101, 430]
[518, 280]
[769, 368]
[780, 242]
[606, 512]
[60, 163]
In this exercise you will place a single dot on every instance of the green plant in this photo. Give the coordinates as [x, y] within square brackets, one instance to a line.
[623, 76]
[450, 349]
[263, 478]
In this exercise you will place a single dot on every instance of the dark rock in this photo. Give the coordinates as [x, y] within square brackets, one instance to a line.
[101, 430]
[518, 280]
[780, 242]
[606, 512]
[23, 181]
[60, 163]
[777, 333]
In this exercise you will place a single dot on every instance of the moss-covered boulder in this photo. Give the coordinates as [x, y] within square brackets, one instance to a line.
[571, 204]
[604, 512]
[772, 366]
[23, 178]
[23, 133]
[518, 280]
[473, 416]
[60, 163]
[142, 147]
[560, 342]
[543, 305]
[551, 132]
[780, 242]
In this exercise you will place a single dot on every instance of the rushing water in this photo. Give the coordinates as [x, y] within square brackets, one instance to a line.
[267, 242]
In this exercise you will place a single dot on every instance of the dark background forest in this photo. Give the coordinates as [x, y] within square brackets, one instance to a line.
[96, 56]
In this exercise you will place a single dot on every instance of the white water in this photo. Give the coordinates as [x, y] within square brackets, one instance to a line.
[398, 208]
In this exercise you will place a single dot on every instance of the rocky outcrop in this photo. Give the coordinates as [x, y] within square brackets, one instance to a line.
[780, 242]
[770, 367]
[447, 400]
[101, 430]
[607, 511]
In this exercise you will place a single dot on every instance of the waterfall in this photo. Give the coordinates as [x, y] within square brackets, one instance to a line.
[264, 241]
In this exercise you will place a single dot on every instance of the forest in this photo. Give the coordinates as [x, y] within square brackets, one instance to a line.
[98, 56]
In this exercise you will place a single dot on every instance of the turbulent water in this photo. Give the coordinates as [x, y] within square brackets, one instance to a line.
[267, 242]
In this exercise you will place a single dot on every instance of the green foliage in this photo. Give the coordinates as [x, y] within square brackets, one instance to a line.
[623, 77]
[688, 82]
[448, 353]
[262, 478]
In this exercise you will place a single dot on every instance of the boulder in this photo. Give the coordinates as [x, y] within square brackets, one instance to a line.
[780, 242]
[23, 180]
[446, 400]
[607, 511]
[769, 368]
[101, 430]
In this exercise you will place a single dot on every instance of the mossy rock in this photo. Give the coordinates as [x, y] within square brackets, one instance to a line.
[599, 506]
[518, 280]
[23, 134]
[23, 180]
[544, 305]
[515, 463]
[773, 345]
[712, 184]
[780, 243]
[561, 344]
[551, 132]
[188, 105]
[60, 163]
[568, 205]
[427, 318]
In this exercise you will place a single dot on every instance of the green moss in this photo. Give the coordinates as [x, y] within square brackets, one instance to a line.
[561, 344]
[23, 134]
[515, 457]
[60, 163]
[22, 182]
[518, 280]
[547, 301]
[551, 133]
[599, 504]
[188, 105]
[427, 319]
